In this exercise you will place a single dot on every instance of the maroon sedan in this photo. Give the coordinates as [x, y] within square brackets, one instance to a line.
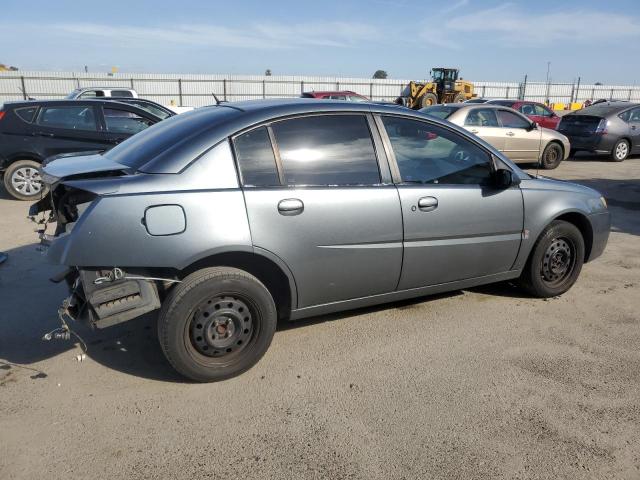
[339, 95]
[538, 112]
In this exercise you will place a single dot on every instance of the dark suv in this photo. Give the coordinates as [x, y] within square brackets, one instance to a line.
[31, 131]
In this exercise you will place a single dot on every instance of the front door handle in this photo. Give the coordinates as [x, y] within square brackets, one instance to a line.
[474, 131]
[426, 204]
[290, 206]
[510, 134]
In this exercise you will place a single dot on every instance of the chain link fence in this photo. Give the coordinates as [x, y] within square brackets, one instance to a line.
[198, 90]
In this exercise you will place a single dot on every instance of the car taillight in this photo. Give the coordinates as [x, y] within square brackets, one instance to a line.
[601, 129]
[2, 112]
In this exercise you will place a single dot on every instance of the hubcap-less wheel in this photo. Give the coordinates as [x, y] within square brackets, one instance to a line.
[622, 150]
[558, 262]
[26, 181]
[221, 326]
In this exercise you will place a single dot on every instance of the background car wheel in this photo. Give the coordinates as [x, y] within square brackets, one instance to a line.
[555, 261]
[620, 151]
[22, 180]
[459, 98]
[551, 156]
[216, 324]
[428, 99]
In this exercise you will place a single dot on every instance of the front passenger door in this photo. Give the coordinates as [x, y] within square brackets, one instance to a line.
[457, 225]
[634, 129]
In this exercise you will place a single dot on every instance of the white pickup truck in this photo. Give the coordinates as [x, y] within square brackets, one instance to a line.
[117, 92]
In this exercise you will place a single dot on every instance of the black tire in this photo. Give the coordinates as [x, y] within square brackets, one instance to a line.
[428, 99]
[556, 240]
[25, 170]
[459, 98]
[620, 151]
[572, 153]
[192, 315]
[552, 156]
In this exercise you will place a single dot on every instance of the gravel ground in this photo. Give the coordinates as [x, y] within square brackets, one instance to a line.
[480, 383]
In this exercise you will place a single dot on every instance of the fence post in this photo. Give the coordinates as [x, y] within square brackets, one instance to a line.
[24, 89]
[132, 84]
[611, 95]
[578, 90]
[264, 89]
[337, 85]
[371, 91]
[180, 91]
[301, 87]
[507, 95]
[524, 89]
[484, 87]
[224, 89]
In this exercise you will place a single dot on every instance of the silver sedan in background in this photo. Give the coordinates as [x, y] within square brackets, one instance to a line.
[512, 133]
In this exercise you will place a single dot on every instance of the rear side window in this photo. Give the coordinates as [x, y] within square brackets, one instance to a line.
[482, 117]
[92, 94]
[123, 121]
[327, 150]
[255, 158]
[26, 113]
[512, 120]
[70, 118]
[439, 111]
[121, 93]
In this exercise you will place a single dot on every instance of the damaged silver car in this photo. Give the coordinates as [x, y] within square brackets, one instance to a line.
[232, 217]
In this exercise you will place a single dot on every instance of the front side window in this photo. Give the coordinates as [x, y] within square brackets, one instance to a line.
[482, 117]
[255, 158]
[431, 154]
[542, 111]
[327, 150]
[634, 115]
[123, 121]
[512, 120]
[528, 109]
[70, 118]
[356, 98]
[92, 94]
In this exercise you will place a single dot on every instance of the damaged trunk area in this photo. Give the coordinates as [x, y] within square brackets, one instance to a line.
[104, 297]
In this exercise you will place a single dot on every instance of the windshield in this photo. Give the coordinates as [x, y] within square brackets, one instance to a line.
[73, 94]
[504, 103]
[143, 147]
[440, 111]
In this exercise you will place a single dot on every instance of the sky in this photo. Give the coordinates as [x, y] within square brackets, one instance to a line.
[489, 40]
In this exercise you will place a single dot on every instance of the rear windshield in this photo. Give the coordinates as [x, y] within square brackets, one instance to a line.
[143, 147]
[504, 103]
[440, 111]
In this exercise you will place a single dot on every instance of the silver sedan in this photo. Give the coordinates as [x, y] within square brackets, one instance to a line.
[512, 133]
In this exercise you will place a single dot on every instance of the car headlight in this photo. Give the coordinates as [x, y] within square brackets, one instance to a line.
[597, 204]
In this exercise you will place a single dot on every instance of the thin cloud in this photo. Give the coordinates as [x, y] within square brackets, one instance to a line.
[255, 36]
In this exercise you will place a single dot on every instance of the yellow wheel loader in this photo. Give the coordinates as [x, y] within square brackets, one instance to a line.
[444, 87]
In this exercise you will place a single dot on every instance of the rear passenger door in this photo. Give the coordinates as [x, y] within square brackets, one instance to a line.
[317, 199]
[521, 142]
[634, 129]
[120, 123]
[67, 128]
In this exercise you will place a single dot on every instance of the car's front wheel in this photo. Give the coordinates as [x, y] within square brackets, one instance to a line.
[22, 180]
[216, 324]
[555, 261]
[552, 156]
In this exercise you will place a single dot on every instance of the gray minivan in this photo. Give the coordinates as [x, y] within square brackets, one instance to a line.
[230, 217]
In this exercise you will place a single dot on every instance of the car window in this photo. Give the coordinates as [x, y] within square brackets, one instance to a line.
[355, 98]
[158, 111]
[634, 115]
[121, 93]
[123, 121]
[72, 118]
[440, 111]
[255, 158]
[327, 150]
[541, 111]
[431, 154]
[527, 109]
[511, 120]
[26, 113]
[92, 94]
[482, 117]
[337, 97]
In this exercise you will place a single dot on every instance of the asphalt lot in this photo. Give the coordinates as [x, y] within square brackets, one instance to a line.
[481, 383]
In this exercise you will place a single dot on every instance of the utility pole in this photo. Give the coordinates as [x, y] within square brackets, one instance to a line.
[548, 84]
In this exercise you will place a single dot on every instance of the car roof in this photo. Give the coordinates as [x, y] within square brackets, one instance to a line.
[189, 135]
[604, 109]
[332, 92]
[86, 102]
[82, 89]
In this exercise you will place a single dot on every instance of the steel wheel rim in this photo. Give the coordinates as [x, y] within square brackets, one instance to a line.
[552, 155]
[221, 326]
[558, 261]
[27, 181]
[622, 150]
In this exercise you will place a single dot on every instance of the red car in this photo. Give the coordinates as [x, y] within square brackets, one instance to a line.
[341, 95]
[539, 113]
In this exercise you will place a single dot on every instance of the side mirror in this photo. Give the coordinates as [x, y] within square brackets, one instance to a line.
[505, 178]
[532, 126]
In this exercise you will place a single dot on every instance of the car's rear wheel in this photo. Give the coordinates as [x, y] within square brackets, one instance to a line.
[216, 324]
[555, 261]
[551, 156]
[620, 151]
[22, 180]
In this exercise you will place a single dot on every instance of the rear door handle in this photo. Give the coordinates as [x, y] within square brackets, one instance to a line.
[290, 206]
[511, 134]
[426, 204]
[43, 134]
